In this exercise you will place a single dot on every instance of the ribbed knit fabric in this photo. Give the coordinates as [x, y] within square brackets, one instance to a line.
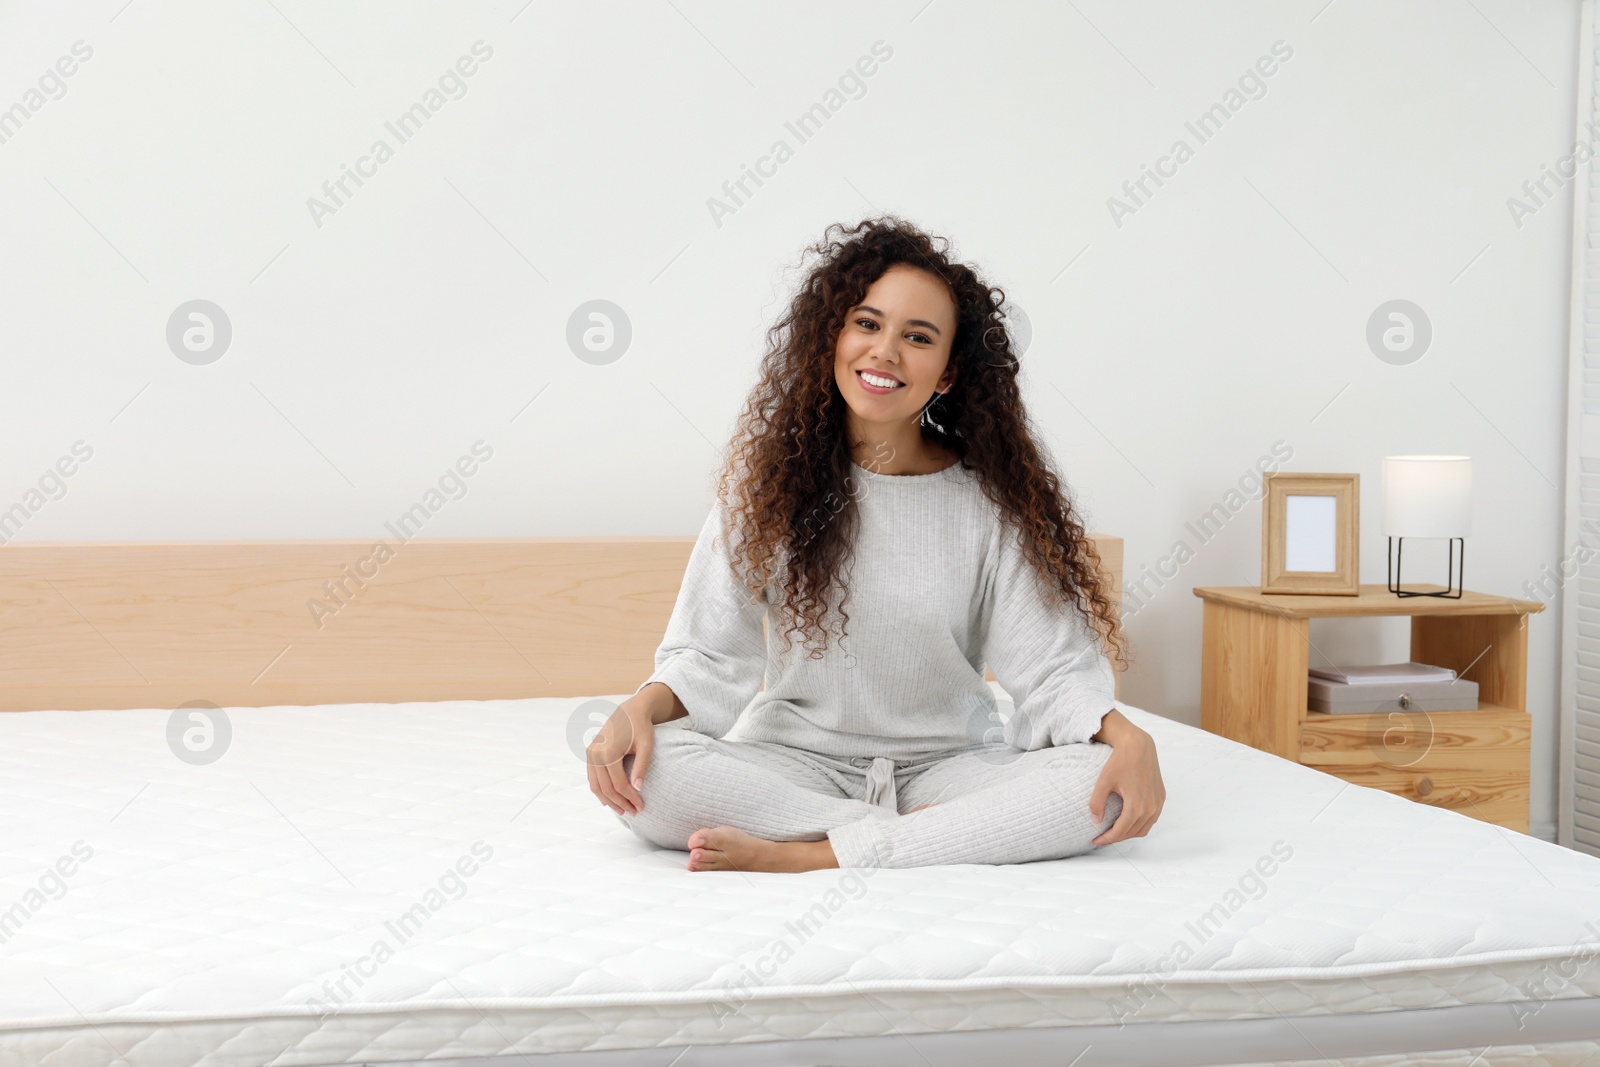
[990, 804]
[938, 587]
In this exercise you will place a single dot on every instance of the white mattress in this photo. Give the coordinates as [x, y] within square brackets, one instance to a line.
[220, 903]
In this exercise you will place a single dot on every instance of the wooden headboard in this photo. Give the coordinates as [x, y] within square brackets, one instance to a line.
[107, 625]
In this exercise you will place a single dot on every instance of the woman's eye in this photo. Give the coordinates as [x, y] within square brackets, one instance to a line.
[925, 338]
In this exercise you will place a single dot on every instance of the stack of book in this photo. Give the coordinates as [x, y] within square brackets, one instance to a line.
[1389, 687]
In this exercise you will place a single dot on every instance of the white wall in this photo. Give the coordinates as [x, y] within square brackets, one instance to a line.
[1172, 348]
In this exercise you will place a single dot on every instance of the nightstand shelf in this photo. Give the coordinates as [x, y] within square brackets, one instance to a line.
[1255, 655]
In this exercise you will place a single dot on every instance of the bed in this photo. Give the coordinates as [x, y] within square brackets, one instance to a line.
[242, 831]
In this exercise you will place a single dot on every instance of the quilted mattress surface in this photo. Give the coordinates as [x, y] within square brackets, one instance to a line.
[391, 882]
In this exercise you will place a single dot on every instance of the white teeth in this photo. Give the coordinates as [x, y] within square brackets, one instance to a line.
[882, 383]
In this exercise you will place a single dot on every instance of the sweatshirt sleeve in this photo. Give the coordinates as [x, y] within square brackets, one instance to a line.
[1046, 656]
[714, 651]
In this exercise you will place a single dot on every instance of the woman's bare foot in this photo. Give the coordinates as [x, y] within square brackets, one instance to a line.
[724, 848]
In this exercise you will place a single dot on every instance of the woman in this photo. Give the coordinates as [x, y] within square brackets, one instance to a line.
[886, 445]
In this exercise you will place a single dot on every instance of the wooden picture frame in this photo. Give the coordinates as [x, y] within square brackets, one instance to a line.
[1311, 534]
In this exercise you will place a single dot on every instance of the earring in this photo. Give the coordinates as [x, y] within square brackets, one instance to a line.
[927, 420]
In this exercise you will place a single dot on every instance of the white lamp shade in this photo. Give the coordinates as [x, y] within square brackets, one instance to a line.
[1427, 496]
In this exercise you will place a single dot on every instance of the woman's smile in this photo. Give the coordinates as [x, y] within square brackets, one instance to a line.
[878, 384]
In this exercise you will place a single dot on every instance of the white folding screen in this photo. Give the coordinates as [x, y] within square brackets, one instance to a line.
[1578, 815]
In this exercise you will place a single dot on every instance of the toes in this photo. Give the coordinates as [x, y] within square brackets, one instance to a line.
[723, 848]
[702, 859]
[709, 837]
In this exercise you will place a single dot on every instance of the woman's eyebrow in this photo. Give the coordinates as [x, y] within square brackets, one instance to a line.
[909, 322]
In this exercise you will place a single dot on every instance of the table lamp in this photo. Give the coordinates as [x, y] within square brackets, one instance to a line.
[1427, 496]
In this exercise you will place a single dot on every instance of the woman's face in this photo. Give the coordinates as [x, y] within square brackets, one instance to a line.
[901, 331]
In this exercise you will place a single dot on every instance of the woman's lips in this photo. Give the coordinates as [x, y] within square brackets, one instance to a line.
[877, 390]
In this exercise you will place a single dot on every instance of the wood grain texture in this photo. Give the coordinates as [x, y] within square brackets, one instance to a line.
[1372, 600]
[1472, 762]
[1491, 650]
[1253, 677]
[110, 625]
[1276, 578]
[1254, 690]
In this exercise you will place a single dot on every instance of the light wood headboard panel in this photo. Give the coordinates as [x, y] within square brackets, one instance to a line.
[103, 625]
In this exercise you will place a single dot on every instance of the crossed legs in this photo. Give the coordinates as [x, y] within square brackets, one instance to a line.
[990, 805]
[749, 806]
[742, 805]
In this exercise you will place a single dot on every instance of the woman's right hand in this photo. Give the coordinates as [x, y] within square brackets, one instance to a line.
[629, 731]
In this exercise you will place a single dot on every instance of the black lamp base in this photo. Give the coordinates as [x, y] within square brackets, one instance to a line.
[1454, 573]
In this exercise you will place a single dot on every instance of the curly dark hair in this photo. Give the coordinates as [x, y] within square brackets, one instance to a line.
[790, 461]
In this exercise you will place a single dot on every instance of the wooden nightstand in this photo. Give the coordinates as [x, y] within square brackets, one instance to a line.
[1253, 690]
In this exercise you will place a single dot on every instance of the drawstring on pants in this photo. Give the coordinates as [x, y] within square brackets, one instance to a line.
[880, 784]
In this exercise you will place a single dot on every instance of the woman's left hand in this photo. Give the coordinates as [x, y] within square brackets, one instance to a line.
[1132, 773]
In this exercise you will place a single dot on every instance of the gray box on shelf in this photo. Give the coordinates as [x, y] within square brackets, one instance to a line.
[1338, 698]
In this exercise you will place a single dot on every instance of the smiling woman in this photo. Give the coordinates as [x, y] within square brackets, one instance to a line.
[905, 357]
[960, 549]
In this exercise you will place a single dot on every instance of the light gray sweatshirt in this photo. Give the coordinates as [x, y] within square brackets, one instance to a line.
[939, 587]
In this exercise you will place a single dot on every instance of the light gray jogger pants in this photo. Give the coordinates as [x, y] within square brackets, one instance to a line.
[991, 804]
